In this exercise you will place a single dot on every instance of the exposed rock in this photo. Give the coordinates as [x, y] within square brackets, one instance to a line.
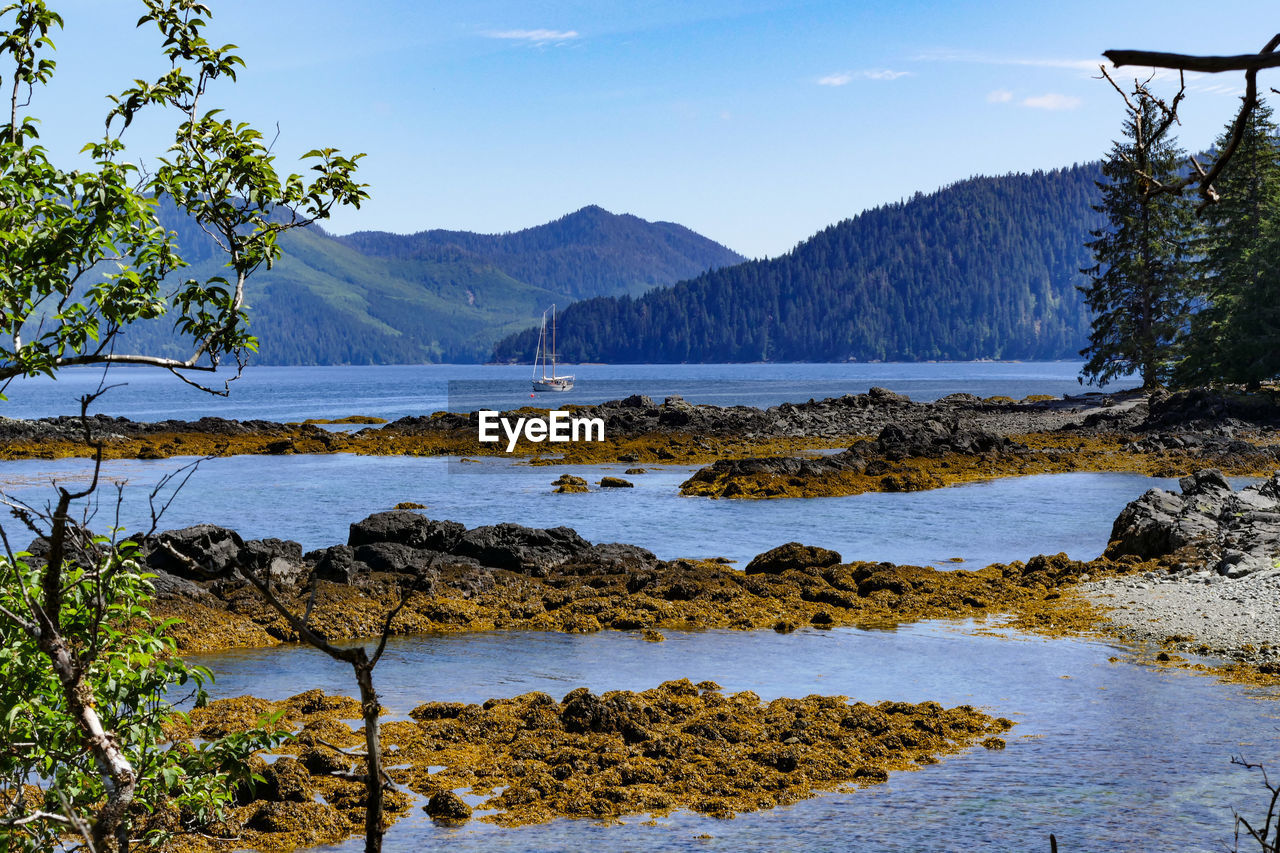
[280, 558]
[201, 552]
[521, 549]
[615, 483]
[1231, 533]
[336, 563]
[610, 558]
[792, 555]
[406, 528]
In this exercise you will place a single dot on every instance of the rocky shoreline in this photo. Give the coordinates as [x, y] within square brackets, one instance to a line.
[887, 441]
[511, 577]
[1220, 592]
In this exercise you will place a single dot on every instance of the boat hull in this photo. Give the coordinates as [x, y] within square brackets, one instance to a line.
[560, 383]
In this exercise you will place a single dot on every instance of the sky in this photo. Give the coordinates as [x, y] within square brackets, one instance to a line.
[755, 123]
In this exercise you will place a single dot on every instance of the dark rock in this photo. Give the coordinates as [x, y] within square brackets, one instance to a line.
[337, 563]
[792, 555]
[1233, 533]
[447, 807]
[406, 528]
[201, 552]
[615, 483]
[527, 550]
[280, 558]
[611, 558]
[168, 586]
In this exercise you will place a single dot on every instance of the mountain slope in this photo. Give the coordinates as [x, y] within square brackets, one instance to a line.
[588, 253]
[378, 298]
[985, 268]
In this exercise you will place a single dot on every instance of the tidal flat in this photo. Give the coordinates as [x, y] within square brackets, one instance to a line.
[736, 606]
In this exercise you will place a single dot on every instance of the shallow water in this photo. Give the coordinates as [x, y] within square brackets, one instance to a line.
[296, 393]
[313, 499]
[1107, 756]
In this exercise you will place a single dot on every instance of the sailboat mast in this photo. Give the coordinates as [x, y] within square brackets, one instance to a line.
[553, 340]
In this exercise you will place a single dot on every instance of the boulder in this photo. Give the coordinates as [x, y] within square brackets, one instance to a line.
[279, 558]
[200, 552]
[337, 563]
[527, 550]
[611, 558]
[792, 555]
[1232, 533]
[406, 528]
[615, 483]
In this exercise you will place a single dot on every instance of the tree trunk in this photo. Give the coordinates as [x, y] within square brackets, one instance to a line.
[373, 760]
[118, 775]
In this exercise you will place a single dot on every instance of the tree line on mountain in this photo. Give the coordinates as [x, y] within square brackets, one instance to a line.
[1186, 293]
[986, 268]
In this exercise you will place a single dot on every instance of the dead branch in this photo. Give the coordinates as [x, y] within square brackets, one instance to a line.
[1203, 179]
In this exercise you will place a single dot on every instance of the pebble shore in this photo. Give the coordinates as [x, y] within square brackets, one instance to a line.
[1237, 618]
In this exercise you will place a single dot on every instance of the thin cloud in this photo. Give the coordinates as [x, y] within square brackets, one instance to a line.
[535, 36]
[843, 78]
[1090, 65]
[999, 96]
[1052, 101]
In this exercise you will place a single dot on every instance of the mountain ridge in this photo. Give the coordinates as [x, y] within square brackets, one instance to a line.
[987, 267]
[382, 298]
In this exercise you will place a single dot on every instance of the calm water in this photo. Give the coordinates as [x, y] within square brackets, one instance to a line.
[296, 393]
[313, 499]
[1109, 756]
[1105, 755]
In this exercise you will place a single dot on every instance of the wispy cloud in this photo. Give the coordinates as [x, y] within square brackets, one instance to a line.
[999, 96]
[1051, 101]
[1090, 65]
[843, 78]
[535, 36]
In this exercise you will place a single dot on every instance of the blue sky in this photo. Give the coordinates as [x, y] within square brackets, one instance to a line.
[756, 123]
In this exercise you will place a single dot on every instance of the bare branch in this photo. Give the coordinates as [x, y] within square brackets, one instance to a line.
[1203, 179]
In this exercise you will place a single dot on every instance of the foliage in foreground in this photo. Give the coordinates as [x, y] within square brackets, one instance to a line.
[47, 775]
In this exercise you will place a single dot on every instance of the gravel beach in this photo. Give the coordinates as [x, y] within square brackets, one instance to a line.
[1226, 615]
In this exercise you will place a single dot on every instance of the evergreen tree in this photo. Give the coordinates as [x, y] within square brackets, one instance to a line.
[1138, 290]
[1233, 337]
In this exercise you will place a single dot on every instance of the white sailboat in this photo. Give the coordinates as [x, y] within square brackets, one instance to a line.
[547, 353]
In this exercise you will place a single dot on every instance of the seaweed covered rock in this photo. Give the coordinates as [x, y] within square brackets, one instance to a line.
[792, 555]
[615, 483]
[678, 745]
[569, 484]
[447, 807]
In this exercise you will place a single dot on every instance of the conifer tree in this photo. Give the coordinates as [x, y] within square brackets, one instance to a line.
[1234, 337]
[1139, 283]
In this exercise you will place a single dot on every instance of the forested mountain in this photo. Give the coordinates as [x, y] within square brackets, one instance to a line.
[378, 298]
[588, 253]
[984, 268]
